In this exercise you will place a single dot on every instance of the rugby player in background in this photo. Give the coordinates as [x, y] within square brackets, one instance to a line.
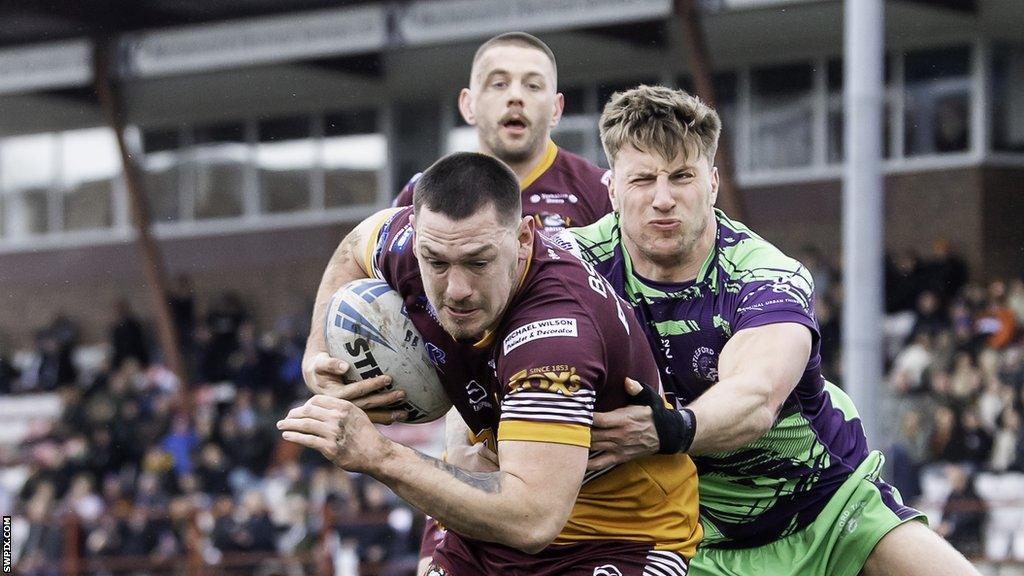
[513, 103]
[787, 483]
[532, 341]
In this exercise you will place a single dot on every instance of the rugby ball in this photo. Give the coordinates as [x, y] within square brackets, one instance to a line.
[367, 326]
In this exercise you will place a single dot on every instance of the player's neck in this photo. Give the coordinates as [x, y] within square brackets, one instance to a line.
[526, 167]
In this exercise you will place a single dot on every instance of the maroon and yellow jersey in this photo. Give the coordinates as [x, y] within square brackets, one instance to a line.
[561, 351]
[563, 191]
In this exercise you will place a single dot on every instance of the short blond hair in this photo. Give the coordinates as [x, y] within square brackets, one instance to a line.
[659, 120]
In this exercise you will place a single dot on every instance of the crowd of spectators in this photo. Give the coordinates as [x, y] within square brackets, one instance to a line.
[955, 372]
[147, 475]
[136, 472]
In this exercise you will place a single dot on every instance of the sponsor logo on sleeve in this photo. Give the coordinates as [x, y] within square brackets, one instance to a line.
[401, 241]
[477, 396]
[559, 378]
[550, 328]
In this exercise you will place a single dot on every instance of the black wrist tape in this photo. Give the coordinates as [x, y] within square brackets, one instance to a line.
[675, 428]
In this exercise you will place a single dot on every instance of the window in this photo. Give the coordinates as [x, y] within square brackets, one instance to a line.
[782, 116]
[575, 100]
[219, 161]
[89, 162]
[605, 90]
[161, 174]
[836, 131]
[726, 87]
[285, 158]
[28, 173]
[1008, 98]
[354, 153]
[937, 101]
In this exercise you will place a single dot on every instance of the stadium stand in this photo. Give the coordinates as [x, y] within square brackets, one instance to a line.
[104, 470]
[108, 473]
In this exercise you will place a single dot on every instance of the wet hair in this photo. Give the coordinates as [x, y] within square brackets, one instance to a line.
[464, 183]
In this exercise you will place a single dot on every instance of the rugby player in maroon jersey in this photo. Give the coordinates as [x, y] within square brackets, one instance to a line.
[534, 342]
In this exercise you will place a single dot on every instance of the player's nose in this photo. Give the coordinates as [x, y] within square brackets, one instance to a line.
[515, 93]
[458, 287]
[663, 199]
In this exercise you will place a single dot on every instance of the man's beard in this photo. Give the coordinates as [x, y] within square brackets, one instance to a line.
[520, 153]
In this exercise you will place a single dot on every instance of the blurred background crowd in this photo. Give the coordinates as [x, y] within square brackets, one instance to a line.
[134, 469]
[136, 472]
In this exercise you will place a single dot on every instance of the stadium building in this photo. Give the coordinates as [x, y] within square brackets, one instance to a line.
[261, 131]
[265, 129]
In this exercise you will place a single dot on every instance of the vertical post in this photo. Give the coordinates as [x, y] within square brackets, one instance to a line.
[152, 261]
[700, 65]
[863, 200]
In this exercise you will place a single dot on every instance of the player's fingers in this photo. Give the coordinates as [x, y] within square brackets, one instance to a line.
[603, 461]
[329, 403]
[324, 364]
[306, 426]
[613, 419]
[387, 416]
[307, 440]
[380, 400]
[603, 445]
[633, 387]
[310, 410]
[364, 388]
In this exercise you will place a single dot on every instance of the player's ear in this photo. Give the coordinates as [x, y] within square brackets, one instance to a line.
[559, 108]
[466, 106]
[412, 224]
[714, 184]
[525, 236]
[612, 194]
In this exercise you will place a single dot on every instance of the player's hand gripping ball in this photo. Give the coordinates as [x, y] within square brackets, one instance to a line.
[367, 326]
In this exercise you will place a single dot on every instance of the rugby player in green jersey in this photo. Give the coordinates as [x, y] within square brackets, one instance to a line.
[787, 483]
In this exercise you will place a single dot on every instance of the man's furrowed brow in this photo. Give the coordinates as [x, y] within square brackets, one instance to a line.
[479, 252]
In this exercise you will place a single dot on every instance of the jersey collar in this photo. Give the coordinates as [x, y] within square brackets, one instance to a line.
[545, 162]
[706, 278]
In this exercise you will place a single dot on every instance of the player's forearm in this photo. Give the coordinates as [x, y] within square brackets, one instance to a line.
[731, 414]
[342, 268]
[489, 506]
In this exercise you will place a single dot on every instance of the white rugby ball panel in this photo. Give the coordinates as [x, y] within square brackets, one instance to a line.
[367, 327]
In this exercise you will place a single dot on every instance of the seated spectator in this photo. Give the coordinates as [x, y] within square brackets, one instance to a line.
[942, 441]
[1015, 299]
[998, 323]
[965, 379]
[963, 515]
[1007, 439]
[906, 456]
[930, 318]
[127, 339]
[975, 442]
[910, 365]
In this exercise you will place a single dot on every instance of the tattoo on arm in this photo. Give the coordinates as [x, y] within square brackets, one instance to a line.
[350, 245]
[489, 482]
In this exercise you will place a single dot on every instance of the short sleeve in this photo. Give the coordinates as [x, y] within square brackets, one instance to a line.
[404, 197]
[776, 297]
[390, 238]
[549, 368]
